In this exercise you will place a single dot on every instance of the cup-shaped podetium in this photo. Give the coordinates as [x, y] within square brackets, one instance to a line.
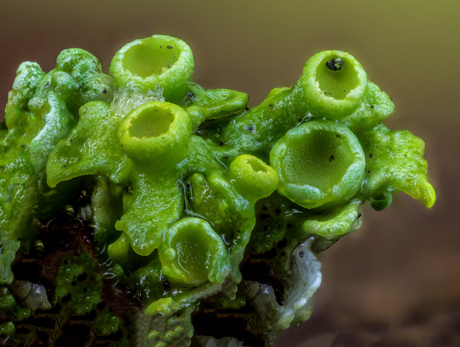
[156, 132]
[192, 253]
[320, 163]
[334, 84]
[156, 61]
[252, 177]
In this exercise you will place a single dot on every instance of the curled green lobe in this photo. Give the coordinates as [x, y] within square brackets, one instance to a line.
[335, 223]
[395, 162]
[91, 148]
[210, 104]
[25, 84]
[157, 203]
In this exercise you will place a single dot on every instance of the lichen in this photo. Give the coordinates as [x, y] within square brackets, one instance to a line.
[200, 208]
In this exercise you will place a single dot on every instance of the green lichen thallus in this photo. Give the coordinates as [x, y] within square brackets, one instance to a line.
[205, 216]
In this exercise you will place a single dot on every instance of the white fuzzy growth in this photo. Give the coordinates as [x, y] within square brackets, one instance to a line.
[305, 280]
[32, 295]
[210, 341]
[129, 97]
[86, 213]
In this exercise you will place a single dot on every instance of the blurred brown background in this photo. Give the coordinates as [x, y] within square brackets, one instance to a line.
[395, 282]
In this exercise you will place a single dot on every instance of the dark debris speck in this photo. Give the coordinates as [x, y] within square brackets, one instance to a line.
[335, 64]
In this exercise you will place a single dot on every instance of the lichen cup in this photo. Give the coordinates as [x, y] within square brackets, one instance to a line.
[156, 132]
[320, 163]
[192, 253]
[334, 84]
[158, 61]
[252, 177]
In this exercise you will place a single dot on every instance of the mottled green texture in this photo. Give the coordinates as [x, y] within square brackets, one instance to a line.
[165, 330]
[9, 248]
[199, 205]
[81, 298]
[106, 323]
